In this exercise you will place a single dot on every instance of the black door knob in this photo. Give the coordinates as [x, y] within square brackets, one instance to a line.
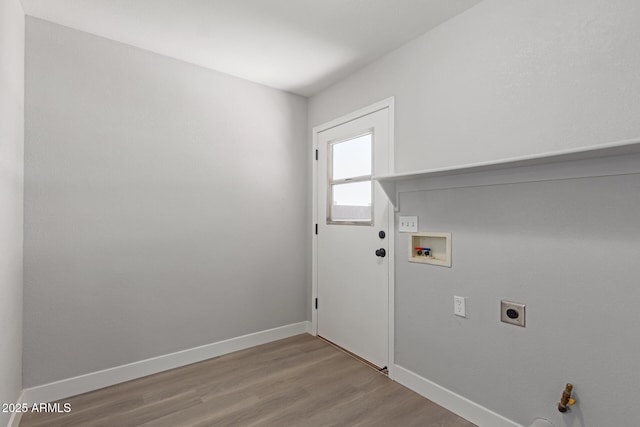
[381, 253]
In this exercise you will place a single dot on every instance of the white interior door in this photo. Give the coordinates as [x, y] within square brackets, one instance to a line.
[353, 237]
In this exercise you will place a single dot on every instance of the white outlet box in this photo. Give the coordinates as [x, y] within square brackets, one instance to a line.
[459, 308]
[408, 224]
[430, 248]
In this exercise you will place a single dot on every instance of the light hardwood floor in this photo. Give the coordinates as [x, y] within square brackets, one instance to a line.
[299, 381]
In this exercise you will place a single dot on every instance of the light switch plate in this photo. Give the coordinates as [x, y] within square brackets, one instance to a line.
[408, 224]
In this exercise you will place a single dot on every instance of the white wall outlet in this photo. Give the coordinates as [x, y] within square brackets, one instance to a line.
[459, 308]
[408, 224]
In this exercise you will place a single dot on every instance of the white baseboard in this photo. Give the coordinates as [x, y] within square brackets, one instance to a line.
[462, 406]
[16, 417]
[108, 377]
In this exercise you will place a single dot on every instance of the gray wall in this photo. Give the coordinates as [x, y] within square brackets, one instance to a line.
[162, 205]
[568, 249]
[11, 199]
[509, 78]
[505, 78]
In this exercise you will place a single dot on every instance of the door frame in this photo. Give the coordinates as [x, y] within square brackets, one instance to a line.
[387, 103]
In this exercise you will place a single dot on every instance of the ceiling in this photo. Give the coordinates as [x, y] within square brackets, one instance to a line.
[300, 46]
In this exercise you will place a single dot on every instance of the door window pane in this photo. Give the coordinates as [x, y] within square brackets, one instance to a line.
[351, 202]
[352, 158]
[350, 188]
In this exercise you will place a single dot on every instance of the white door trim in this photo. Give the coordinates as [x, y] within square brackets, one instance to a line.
[385, 103]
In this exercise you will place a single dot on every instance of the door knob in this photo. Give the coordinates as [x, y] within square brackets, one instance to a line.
[381, 253]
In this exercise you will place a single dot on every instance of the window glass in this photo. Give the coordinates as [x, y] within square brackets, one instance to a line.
[351, 202]
[352, 158]
[350, 188]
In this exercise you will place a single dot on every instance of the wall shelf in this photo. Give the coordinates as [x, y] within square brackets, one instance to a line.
[620, 148]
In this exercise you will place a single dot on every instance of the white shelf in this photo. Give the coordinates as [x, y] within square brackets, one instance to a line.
[620, 148]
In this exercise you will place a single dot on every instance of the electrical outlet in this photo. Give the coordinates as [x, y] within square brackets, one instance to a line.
[512, 312]
[408, 224]
[459, 308]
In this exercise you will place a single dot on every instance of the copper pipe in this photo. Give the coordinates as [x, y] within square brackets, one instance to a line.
[565, 399]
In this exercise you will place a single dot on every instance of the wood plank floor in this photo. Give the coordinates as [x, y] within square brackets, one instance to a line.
[298, 381]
